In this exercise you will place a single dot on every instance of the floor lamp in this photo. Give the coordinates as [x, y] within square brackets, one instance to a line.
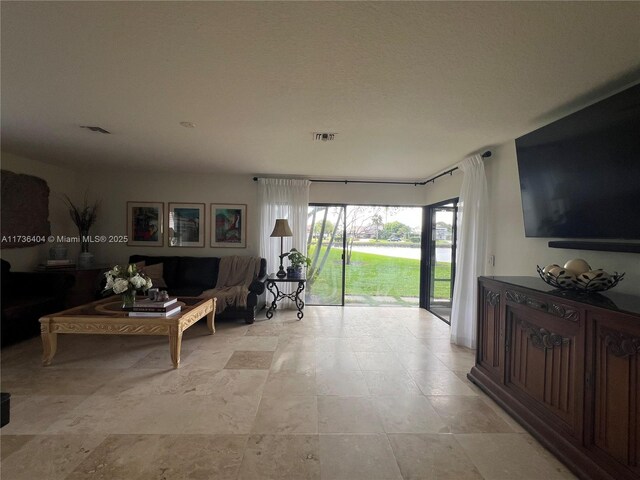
[281, 230]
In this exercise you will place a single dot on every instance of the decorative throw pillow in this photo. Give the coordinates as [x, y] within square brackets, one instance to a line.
[155, 272]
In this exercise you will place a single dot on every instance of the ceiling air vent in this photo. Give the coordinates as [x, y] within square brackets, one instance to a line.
[324, 137]
[96, 129]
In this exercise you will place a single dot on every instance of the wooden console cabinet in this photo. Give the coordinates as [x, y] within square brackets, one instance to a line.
[567, 367]
[86, 286]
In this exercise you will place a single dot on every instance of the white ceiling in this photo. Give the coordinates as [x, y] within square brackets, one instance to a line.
[410, 88]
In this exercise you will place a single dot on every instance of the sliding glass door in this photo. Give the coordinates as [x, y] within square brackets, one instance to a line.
[325, 248]
[365, 255]
[440, 266]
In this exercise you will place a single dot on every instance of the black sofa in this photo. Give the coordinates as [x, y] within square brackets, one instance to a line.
[190, 276]
[27, 296]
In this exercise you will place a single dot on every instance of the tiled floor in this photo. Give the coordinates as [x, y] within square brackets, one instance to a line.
[346, 393]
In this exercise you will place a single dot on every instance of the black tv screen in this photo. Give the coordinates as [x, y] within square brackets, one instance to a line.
[580, 175]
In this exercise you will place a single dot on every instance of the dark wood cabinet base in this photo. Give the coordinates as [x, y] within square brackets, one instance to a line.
[571, 455]
[567, 368]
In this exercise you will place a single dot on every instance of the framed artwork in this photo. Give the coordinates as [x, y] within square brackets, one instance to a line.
[186, 224]
[229, 225]
[145, 224]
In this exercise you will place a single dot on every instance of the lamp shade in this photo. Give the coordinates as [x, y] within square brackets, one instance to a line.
[282, 228]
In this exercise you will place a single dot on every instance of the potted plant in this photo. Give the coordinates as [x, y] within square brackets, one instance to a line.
[298, 261]
[83, 217]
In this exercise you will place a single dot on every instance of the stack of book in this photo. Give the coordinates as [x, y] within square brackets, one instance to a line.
[56, 264]
[149, 308]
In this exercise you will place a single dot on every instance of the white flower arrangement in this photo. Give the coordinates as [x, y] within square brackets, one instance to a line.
[121, 280]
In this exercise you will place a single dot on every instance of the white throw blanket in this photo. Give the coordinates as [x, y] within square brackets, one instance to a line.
[234, 277]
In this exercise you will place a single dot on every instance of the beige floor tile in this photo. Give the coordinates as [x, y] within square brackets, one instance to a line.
[186, 382]
[230, 328]
[56, 381]
[409, 343]
[285, 414]
[249, 344]
[226, 383]
[357, 457]
[457, 360]
[468, 414]
[207, 358]
[348, 415]
[493, 405]
[50, 457]
[12, 443]
[409, 414]
[440, 382]
[390, 383]
[32, 414]
[290, 383]
[332, 344]
[341, 383]
[159, 414]
[250, 360]
[444, 345]
[101, 385]
[299, 361]
[105, 351]
[432, 456]
[135, 381]
[379, 361]
[27, 354]
[337, 361]
[160, 357]
[429, 330]
[368, 344]
[509, 420]
[286, 457]
[420, 360]
[511, 457]
[164, 457]
[394, 329]
[297, 327]
[296, 342]
[264, 330]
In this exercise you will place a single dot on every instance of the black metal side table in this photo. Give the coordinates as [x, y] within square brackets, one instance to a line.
[272, 285]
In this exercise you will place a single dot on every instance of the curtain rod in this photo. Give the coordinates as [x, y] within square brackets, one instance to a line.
[486, 154]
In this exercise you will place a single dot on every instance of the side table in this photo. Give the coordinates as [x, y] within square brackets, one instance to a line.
[272, 285]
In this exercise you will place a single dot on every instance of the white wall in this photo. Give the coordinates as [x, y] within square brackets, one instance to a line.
[115, 189]
[367, 194]
[61, 181]
[444, 188]
[517, 255]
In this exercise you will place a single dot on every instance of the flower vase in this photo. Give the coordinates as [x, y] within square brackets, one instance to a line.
[128, 299]
[85, 259]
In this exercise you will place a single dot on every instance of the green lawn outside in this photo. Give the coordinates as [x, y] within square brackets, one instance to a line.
[373, 275]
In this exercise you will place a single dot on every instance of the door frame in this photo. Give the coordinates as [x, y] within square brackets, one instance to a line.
[425, 261]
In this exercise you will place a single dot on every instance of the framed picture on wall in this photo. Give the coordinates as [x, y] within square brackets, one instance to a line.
[228, 225]
[145, 225]
[186, 224]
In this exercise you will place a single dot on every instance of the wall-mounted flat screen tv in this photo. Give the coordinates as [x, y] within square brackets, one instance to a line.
[580, 175]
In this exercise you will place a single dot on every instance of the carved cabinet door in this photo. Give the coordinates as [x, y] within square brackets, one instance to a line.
[490, 356]
[615, 428]
[545, 370]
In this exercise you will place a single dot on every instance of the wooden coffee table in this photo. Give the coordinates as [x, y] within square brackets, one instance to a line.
[105, 317]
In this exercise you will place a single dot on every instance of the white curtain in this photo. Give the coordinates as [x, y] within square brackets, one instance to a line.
[282, 198]
[472, 251]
